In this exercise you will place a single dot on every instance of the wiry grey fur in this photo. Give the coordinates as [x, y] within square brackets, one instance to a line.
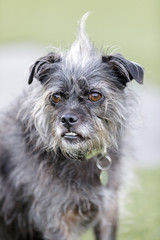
[49, 183]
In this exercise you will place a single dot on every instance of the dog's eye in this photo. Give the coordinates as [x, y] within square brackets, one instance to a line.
[95, 96]
[55, 98]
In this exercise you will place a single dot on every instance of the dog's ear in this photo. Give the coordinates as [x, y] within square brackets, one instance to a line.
[42, 67]
[125, 70]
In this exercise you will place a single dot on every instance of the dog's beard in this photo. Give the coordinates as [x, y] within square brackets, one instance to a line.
[82, 150]
[89, 145]
[86, 141]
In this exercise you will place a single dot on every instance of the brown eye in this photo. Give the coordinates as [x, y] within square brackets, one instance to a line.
[55, 98]
[95, 96]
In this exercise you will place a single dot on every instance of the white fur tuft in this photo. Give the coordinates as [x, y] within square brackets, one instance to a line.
[82, 49]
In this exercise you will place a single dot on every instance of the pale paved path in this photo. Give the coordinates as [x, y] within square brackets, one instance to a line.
[14, 63]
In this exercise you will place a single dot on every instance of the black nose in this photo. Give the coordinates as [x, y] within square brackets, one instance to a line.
[69, 119]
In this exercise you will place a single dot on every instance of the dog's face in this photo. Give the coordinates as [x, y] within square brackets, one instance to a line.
[82, 106]
[77, 109]
[77, 128]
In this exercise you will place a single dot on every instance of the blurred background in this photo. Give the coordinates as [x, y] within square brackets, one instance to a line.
[29, 29]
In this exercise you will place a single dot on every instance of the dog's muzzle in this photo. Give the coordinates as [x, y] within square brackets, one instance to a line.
[69, 120]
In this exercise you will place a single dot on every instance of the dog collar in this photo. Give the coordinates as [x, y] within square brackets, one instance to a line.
[103, 164]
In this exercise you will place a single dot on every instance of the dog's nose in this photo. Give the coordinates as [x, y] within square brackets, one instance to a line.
[69, 119]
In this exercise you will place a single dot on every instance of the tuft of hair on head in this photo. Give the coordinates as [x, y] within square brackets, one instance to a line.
[82, 48]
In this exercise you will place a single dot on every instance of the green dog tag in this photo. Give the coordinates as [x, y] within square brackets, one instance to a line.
[104, 178]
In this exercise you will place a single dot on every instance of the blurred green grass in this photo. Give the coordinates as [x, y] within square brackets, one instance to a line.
[131, 26]
[144, 223]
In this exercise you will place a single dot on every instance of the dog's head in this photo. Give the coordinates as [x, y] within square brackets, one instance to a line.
[83, 104]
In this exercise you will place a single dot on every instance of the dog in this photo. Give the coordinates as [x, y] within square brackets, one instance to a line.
[58, 138]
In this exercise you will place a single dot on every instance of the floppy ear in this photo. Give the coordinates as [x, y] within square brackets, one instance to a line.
[42, 67]
[125, 70]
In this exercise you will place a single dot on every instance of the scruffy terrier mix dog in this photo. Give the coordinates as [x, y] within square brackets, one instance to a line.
[59, 138]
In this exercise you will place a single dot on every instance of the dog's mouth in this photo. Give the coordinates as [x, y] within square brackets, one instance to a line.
[72, 136]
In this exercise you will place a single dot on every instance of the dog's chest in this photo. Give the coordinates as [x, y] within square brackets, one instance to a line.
[69, 210]
[70, 201]
[81, 192]
[78, 214]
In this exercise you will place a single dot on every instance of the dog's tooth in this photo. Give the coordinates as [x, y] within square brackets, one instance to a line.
[71, 134]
